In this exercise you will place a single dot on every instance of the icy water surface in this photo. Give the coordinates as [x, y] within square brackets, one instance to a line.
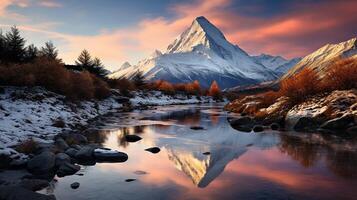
[268, 165]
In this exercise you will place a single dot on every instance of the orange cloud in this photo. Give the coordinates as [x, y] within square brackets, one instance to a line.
[291, 34]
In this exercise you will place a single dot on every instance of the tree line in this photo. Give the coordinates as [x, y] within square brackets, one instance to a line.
[13, 50]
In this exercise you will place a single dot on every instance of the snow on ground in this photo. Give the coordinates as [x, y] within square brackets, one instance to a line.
[157, 98]
[33, 113]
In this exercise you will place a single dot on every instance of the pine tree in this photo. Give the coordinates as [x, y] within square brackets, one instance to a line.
[15, 46]
[139, 80]
[31, 53]
[84, 60]
[49, 51]
[98, 68]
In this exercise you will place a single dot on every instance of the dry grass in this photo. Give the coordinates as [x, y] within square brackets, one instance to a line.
[54, 77]
[342, 75]
[27, 147]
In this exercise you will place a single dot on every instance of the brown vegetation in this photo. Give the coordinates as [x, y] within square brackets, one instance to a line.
[27, 147]
[54, 77]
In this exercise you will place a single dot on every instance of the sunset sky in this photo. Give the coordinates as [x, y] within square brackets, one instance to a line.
[128, 30]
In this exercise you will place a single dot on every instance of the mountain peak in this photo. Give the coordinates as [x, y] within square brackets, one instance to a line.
[200, 33]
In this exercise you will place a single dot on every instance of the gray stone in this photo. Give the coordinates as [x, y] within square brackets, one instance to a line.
[67, 169]
[71, 152]
[305, 124]
[153, 149]
[34, 184]
[75, 185]
[132, 138]
[42, 163]
[258, 128]
[85, 153]
[61, 144]
[77, 138]
[62, 158]
[241, 121]
[21, 193]
[341, 123]
[110, 155]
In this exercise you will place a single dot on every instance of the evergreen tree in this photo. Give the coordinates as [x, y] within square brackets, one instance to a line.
[84, 60]
[139, 79]
[31, 53]
[49, 51]
[15, 46]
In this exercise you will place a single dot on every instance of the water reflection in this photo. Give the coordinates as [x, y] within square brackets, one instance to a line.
[268, 165]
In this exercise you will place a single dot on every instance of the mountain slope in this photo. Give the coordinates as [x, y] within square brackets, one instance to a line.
[320, 59]
[201, 53]
[278, 64]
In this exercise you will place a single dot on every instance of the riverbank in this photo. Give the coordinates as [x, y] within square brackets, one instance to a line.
[332, 113]
[39, 115]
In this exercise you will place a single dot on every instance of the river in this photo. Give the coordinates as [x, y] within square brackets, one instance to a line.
[236, 165]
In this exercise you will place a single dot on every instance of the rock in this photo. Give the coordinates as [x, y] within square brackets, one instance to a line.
[206, 153]
[34, 184]
[18, 163]
[75, 185]
[153, 149]
[130, 180]
[67, 169]
[77, 138]
[110, 155]
[62, 158]
[21, 193]
[196, 128]
[61, 144]
[341, 123]
[243, 128]
[85, 153]
[71, 152]
[241, 121]
[132, 138]
[275, 126]
[352, 130]
[305, 124]
[43, 163]
[244, 124]
[258, 128]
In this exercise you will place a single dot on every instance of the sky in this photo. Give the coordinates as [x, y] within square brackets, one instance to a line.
[130, 30]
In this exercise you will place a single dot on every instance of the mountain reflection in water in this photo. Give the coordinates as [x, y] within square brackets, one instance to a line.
[268, 165]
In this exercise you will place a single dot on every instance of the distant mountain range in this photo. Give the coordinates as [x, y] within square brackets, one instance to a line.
[203, 53]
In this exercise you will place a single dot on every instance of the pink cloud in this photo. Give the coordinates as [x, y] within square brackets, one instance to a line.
[295, 33]
[49, 4]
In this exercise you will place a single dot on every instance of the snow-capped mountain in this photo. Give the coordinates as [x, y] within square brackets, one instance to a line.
[201, 53]
[320, 59]
[278, 64]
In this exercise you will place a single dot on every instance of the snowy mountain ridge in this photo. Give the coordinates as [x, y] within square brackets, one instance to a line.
[278, 64]
[320, 59]
[201, 53]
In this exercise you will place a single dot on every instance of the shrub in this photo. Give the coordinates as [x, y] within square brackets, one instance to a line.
[214, 91]
[268, 98]
[165, 87]
[123, 84]
[27, 147]
[301, 86]
[341, 75]
[55, 77]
